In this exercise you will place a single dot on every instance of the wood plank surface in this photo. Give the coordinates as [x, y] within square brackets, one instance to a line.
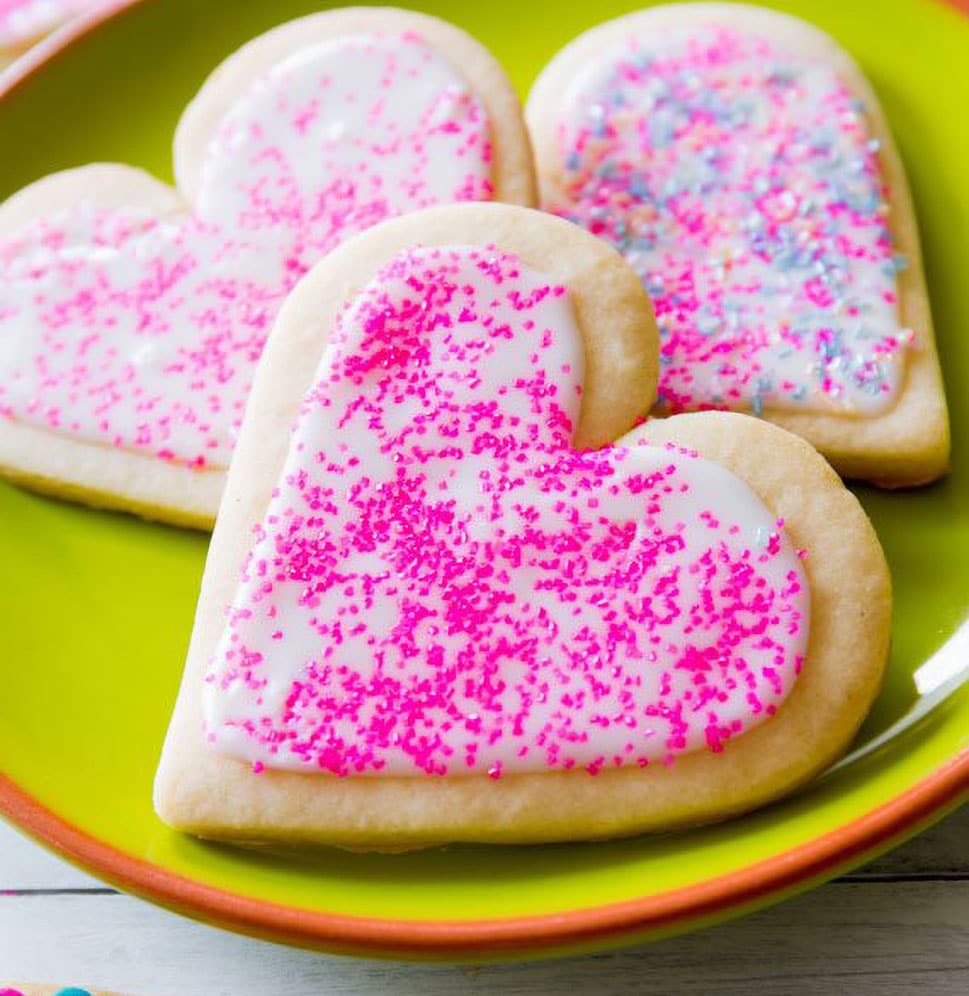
[899, 926]
[871, 938]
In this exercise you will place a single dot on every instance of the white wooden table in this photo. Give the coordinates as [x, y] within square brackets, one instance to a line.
[899, 926]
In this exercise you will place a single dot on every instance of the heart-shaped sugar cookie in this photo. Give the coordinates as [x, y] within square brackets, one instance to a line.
[740, 161]
[441, 605]
[132, 316]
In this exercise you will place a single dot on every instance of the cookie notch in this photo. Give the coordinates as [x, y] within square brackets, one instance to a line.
[109, 477]
[211, 795]
[909, 444]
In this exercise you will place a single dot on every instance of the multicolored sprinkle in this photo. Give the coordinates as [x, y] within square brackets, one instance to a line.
[741, 182]
[69, 991]
[443, 585]
[143, 333]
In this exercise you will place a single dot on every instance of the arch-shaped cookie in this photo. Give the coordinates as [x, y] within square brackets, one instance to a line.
[902, 443]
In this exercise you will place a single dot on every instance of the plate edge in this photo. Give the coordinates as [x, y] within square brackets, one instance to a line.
[917, 807]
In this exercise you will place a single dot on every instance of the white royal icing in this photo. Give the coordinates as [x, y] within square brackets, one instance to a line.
[441, 584]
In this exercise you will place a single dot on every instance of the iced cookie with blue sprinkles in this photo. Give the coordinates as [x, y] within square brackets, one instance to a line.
[740, 161]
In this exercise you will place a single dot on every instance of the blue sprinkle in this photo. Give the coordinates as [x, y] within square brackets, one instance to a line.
[782, 74]
[72, 991]
[899, 262]
[863, 203]
[707, 325]
[793, 259]
[661, 128]
[639, 190]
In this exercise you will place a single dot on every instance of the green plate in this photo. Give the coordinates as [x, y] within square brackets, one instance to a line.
[97, 608]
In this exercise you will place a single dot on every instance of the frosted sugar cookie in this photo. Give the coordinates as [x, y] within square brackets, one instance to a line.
[740, 161]
[132, 315]
[433, 611]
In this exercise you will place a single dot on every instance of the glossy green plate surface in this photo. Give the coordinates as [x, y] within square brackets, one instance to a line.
[97, 608]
